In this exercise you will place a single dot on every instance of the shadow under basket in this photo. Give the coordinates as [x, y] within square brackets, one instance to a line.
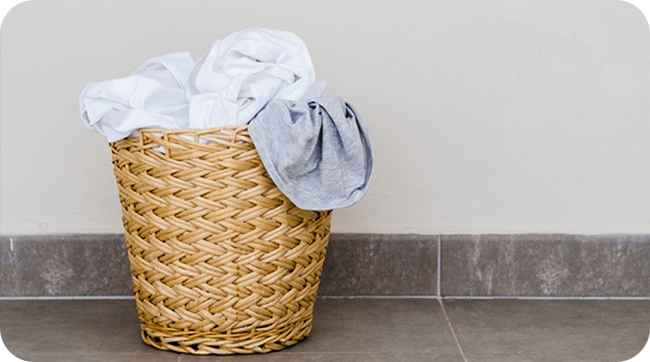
[222, 262]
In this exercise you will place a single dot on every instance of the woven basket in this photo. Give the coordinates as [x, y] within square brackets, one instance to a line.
[222, 262]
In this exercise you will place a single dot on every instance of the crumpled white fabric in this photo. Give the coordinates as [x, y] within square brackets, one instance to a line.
[229, 85]
[152, 97]
[244, 71]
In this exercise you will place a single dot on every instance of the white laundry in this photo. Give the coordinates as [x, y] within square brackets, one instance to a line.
[244, 71]
[229, 85]
[152, 97]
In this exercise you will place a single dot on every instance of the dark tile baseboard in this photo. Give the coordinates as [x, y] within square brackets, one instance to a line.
[64, 265]
[545, 265]
[380, 264]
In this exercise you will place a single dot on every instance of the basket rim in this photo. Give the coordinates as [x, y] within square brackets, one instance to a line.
[191, 130]
[190, 137]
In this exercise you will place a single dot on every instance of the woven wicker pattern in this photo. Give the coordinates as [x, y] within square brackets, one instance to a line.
[222, 262]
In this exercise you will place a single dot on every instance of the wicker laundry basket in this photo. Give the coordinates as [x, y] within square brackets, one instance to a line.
[222, 262]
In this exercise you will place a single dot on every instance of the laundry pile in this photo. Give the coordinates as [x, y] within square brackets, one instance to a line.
[314, 146]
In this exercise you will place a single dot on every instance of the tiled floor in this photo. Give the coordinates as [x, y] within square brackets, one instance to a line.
[355, 330]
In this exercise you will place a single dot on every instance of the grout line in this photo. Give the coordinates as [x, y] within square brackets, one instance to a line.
[451, 297]
[453, 332]
[288, 352]
[514, 297]
[378, 297]
[462, 297]
[439, 266]
[86, 297]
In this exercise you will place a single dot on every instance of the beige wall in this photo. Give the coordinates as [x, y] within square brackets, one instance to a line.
[486, 116]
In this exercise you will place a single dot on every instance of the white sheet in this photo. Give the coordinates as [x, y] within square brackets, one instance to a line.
[229, 85]
[243, 72]
[153, 96]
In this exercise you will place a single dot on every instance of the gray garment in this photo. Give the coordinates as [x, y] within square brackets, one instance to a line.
[318, 153]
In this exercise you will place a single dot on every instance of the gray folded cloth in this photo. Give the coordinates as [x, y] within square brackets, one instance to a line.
[317, 152]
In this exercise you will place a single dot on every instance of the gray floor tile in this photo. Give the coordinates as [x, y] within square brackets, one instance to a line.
[525, 330]
[610, 357]
[344, 330]
[330, 357]
[548, 357]
[81, 312]
[116, 357]
[369, 329]
[378, 326]
[61, 329]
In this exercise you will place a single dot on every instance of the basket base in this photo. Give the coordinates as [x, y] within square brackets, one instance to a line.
[206, 343]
